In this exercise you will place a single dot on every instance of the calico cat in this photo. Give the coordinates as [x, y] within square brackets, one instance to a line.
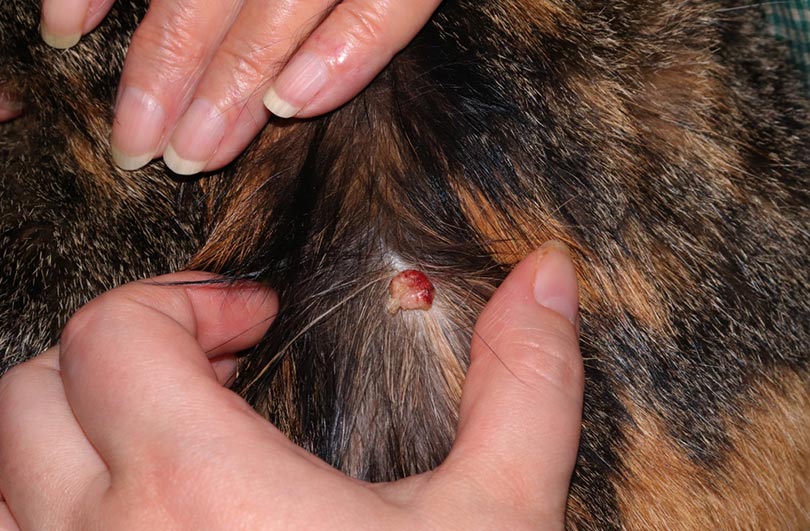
[666, 142]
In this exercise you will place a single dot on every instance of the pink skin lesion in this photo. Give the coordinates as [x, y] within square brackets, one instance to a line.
[409, 290]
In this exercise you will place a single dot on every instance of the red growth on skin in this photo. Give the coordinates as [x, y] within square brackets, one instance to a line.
[410, 290]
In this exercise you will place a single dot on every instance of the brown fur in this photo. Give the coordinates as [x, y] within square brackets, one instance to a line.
[666, 142]
[661, 488]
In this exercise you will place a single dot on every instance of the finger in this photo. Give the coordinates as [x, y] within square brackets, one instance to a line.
[169, 52]
[520, 413]
[45, 459]
[224, 368]
[227, 112]
[157, 338]
[10, 107]
[96, 12]
[63, 22]
[344, 54]
[7, 522]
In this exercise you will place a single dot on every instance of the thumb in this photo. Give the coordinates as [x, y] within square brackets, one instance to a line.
[521, 408]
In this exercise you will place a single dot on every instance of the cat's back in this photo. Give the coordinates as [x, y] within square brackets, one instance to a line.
[667, 143]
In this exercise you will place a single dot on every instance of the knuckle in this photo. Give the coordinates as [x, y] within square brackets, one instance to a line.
[97, 315]
[15, 385]
[168, 45]
[548, 354]
[557, 367]
[78, 324]
[364, 22]
[246, 64]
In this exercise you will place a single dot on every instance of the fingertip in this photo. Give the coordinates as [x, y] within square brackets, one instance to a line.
[232, 316]
[225, 368]
[62, 22]
[304, 76]
[521, 407]
[180, 165]
[57, 40]
[537, 307]
[140, 120]
[354, 44]
[240, 134]
[128, 162]
[555, 280]
[159, 335]
[196, 138]
[278, 106]
[96, 12]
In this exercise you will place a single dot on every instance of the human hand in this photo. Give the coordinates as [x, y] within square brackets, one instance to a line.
[197, 71]
[126, 423]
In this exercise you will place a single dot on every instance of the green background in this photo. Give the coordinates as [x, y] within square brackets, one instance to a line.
[791, 22]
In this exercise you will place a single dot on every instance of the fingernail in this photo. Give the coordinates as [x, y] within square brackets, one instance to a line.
[300, 81]
[61, 42]
[195, 139]
[62, 22]
[555, 281]
[139, 123]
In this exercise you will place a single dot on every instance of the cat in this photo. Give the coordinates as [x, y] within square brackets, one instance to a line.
[667, 143]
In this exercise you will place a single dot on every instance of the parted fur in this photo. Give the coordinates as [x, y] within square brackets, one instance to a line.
[666, 142]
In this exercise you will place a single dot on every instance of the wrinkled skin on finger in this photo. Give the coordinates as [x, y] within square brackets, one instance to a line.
[202, 78]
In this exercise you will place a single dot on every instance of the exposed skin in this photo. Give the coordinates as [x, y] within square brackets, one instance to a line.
[148, 434]
[198, 71]
[9, 107]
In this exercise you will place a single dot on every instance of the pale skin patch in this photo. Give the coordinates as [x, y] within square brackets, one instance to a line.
[762, 484]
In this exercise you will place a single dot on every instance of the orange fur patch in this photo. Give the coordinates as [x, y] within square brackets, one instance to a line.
[622, 285]
[763, 484]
